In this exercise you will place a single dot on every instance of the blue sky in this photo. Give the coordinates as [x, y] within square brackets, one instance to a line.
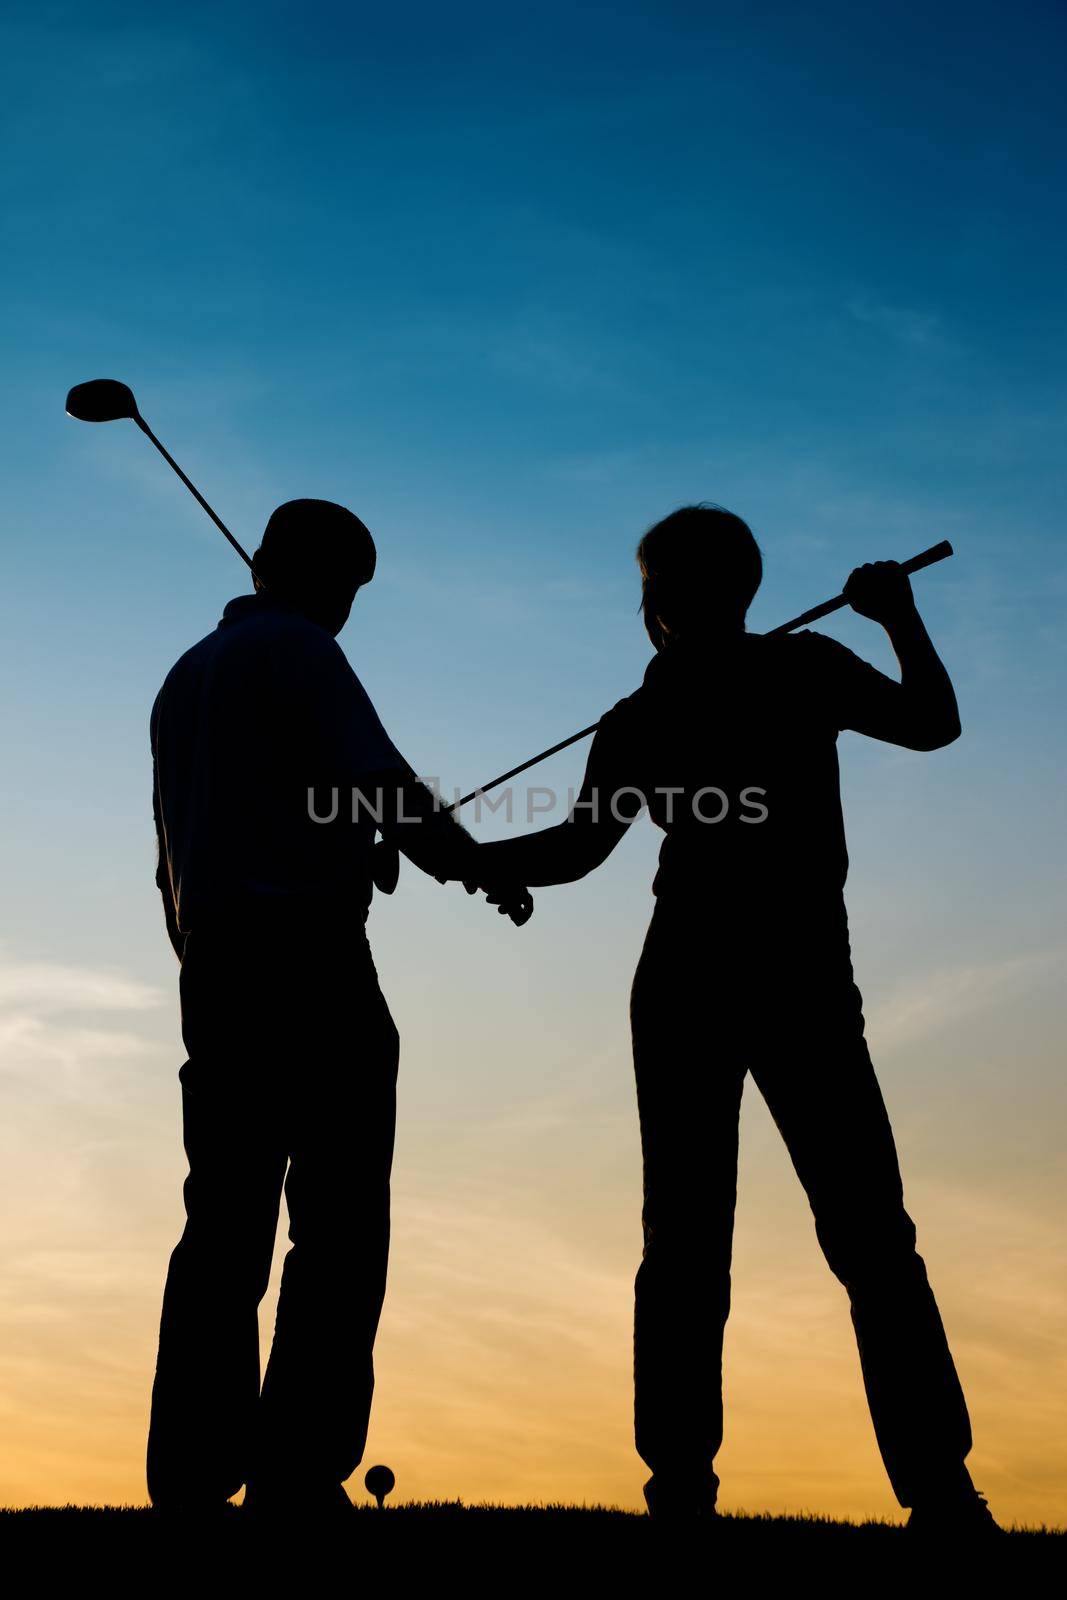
[512, 282]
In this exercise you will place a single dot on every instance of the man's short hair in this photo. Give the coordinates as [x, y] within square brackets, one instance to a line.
[700, 566]
[307, 543]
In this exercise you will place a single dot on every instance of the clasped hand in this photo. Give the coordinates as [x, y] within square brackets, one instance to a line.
[511, 899]
[880, 590]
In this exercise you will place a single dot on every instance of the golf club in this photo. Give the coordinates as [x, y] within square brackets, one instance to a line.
[925, 558]
[107, 400]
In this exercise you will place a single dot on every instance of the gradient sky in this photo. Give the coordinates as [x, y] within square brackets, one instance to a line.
[513, 281]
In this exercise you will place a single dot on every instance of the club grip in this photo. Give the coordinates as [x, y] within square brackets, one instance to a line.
[926, 558]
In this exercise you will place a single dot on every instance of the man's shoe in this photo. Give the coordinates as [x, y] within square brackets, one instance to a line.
[964, 1517]
[680, 1499]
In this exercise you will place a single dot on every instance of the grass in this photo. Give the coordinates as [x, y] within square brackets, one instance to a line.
[497, 1548]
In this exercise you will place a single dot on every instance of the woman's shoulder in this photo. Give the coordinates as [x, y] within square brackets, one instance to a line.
[628, 718]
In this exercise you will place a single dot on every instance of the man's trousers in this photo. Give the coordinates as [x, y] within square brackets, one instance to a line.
[290, 1083]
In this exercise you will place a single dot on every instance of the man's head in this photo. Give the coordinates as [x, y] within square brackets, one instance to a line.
[700, 568]
[315, 555]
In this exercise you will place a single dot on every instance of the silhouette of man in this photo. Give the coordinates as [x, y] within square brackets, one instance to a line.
[271, 767]
[731, 740]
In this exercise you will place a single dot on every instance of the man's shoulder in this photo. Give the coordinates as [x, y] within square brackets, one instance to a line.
[252, 622]
[189, 663]
[242, 644]
[252, 633]
[297, 647]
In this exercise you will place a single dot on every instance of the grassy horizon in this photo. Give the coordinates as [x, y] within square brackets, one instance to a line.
[442, 1510]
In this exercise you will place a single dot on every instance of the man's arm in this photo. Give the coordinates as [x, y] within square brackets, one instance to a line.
[602, 813]
[163, 883]
[919, 712]
[356, 751]
[412, 819]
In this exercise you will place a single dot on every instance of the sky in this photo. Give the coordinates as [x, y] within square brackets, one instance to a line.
[512, 282]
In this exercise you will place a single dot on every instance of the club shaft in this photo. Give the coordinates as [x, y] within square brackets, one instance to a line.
[193, 490]
[514, 772]
[925, 558]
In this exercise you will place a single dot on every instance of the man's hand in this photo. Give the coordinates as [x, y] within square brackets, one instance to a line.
[881, 590]
[511, 899]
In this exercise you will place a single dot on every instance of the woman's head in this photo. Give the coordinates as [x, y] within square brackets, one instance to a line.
[700, 568]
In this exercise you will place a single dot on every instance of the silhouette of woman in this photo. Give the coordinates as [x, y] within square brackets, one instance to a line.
[730, 742]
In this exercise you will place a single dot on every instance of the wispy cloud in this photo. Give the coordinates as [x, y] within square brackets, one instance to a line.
[545, 349]
[81, 1147]
[43, 987]
[58, 1035]
[919, 1009]
[903, 324]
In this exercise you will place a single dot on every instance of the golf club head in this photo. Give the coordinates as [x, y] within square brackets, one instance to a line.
[101, 400]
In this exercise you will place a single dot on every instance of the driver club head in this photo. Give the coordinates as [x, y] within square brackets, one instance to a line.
[101, 400]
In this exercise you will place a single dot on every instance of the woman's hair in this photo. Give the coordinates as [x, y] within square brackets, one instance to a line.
[700, 567]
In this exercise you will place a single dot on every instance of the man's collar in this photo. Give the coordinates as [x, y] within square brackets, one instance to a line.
[253, 605]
